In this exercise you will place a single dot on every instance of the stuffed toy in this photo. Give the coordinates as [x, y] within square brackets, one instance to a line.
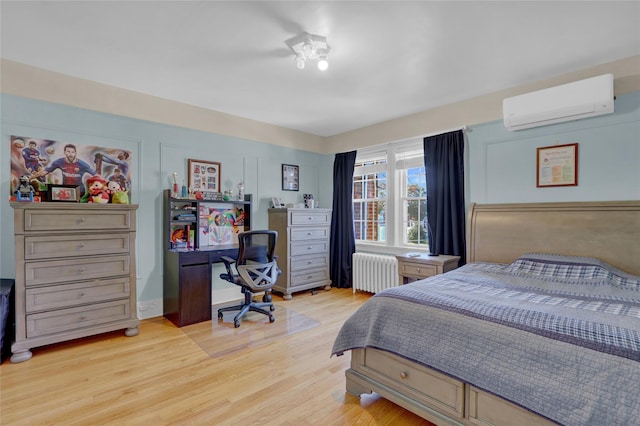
[116, 194]
[97, 190]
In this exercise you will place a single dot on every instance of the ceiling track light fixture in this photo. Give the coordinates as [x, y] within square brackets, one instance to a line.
[310, 47]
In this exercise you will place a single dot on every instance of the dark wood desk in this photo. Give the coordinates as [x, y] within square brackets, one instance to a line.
[187, 283]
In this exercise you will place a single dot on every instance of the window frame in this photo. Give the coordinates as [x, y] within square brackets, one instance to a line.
[400, 157]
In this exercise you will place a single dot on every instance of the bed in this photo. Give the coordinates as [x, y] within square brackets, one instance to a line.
[542, 326]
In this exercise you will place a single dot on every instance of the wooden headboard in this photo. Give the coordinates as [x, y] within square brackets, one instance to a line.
[607, 230]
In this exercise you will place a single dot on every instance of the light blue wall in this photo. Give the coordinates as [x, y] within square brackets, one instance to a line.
[502, 164]
[158, 151]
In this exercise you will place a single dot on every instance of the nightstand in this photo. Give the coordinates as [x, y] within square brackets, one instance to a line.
[412, 268]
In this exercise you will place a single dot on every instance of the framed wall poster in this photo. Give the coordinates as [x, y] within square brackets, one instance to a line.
[557, 165]
[290, 177]
[204, 175]
[66, 193]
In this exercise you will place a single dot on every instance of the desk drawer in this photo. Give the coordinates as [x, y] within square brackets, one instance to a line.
[68, 295]
[43, 247]
[64, 320]
[75, 269]
[305, 234]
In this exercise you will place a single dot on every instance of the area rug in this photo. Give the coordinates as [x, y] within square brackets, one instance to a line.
[220, 338]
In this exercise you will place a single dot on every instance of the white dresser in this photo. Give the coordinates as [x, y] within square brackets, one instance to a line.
[302, 248]
[75, 272]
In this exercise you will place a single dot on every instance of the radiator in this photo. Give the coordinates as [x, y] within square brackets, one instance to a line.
[374, 272]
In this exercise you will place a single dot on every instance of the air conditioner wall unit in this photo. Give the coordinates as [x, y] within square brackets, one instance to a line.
[572, 101]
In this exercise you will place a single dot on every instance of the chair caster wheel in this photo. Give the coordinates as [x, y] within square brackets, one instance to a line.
[272, 308]
[272, 318]
[220, 315]
[236, 323]
[267, 298]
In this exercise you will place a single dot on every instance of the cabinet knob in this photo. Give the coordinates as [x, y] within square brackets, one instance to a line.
[419, 270]
[82, 219]
[309, 233]
[83, 269]
[310, 218]
[82, 245]
[404, 375]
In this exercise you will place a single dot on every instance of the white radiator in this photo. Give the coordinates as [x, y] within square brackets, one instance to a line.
[374, 272]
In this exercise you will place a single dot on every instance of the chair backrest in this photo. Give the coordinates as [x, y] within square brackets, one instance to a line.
[256, 263]
[256, 246]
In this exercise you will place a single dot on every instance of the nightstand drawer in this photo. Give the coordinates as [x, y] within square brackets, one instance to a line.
[63, 220]
[418, 270]
[305, 277]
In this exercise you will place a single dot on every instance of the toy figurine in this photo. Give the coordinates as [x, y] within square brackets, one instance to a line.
[97, 190]
[25, 190]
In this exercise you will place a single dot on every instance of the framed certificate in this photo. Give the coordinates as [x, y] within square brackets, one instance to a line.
[557, 165]
[290, 177]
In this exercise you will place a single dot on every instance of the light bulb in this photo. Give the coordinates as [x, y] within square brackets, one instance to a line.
[323, 64]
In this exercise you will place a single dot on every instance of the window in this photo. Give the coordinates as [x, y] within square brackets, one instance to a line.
[390, 195]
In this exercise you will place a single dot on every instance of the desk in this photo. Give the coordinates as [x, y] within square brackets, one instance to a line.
[187, 283]
[412, 268]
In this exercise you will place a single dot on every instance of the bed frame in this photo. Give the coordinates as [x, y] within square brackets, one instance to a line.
[501, 233]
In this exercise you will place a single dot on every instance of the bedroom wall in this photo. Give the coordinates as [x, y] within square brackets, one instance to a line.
[158, 151]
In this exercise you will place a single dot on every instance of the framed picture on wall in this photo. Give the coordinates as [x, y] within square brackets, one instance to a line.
[557, 165]
[204, 175]
[290, 177]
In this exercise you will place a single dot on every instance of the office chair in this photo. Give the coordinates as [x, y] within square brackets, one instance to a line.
[256, 271]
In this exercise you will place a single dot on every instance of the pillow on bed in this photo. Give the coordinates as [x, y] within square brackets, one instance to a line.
[572, 267]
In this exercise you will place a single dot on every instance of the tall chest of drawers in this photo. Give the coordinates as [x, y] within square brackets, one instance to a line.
[302, 248]
[75, 272]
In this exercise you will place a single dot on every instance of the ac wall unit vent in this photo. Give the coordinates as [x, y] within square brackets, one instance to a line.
[573, 101]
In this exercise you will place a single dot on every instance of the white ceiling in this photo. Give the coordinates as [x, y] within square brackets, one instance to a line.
[388, 58]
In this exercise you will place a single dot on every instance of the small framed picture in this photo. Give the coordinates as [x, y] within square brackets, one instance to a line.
[557, 165]
[290, 177]
[204, 176]
[64, 193]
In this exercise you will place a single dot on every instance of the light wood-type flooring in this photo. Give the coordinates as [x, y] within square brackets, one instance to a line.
[163, 377]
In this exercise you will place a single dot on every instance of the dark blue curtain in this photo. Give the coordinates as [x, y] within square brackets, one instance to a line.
[444, 164]
[343, 240]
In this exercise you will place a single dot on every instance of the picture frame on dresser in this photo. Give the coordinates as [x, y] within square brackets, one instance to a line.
[63, 193]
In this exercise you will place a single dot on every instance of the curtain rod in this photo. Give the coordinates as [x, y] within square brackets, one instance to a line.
[439, 132]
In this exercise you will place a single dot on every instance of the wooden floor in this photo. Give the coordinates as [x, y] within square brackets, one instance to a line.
[162, 377]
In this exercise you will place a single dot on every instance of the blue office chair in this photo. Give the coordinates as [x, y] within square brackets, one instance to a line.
[256, 271]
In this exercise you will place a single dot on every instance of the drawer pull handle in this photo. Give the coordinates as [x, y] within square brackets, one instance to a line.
[419, 270]
[310, 218]
[309, 262]
[81, 294]
[82, 245]
[309, 248]
[309, 233]
[404, 375]
[82, 219]
[83, 269]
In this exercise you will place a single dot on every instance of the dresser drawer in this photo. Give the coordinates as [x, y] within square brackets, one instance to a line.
[305, 234]
[64, 320]
[418, 270]
[89, 219]
[310, 217]
[301, 248]
[306, 277]
[300, 263]
[48, 246]
[75, 269]
[422, 384]
[68, 295]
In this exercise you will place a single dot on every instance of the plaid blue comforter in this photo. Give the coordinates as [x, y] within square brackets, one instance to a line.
[557, 335]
